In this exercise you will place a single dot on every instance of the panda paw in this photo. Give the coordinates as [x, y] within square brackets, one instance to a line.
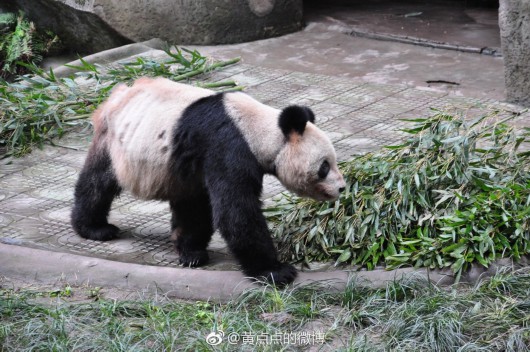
[102, 233]
[192, 259]
[281, 275]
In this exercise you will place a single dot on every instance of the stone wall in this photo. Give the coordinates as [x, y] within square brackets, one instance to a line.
[94, 25]
[514, 22]
[201, 21]
[80, 31]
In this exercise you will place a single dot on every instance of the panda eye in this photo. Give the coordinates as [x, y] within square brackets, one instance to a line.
[324, 170]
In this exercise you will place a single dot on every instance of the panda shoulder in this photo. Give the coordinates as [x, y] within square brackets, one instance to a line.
[239, 104]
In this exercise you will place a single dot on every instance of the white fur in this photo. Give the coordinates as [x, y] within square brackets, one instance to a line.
[141, 120]
[297, 158]
[136, 117]
[259, 125]
[299, 161]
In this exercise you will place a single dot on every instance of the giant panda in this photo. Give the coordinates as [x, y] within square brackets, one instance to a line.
[206, 153]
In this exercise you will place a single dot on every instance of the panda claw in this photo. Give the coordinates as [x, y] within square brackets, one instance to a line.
[193, 259]
[281, 275]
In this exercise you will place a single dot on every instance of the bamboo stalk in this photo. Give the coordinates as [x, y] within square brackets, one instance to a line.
[218, 84]
[234, 89]
[204, 69]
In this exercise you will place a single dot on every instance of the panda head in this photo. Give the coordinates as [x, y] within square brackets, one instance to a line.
[307, 163]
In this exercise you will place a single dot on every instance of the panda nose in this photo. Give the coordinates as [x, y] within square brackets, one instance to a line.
[342, 189]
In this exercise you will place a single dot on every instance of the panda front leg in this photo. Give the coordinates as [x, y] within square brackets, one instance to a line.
[238, 215]
[191, 229]
[95, 190]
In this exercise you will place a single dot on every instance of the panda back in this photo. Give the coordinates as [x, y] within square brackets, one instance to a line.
[140, 122]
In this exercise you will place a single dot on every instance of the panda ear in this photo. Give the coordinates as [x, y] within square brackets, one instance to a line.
[294, 119]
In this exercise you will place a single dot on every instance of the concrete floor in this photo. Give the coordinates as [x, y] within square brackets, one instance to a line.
[458, 23]
[330, 45]
[360, 90]
[326, 47]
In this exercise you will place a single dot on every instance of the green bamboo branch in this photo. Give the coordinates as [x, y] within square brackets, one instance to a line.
[35, 107]
[218, 84]
[234, 89]
[204, 69]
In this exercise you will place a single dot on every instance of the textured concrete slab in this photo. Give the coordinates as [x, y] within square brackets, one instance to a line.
[37, 191]
[329, 49]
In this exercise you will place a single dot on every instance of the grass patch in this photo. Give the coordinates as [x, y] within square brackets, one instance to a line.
[407, 315]
[41, 106]
[456, 192]
[414, 315]
[46, 322]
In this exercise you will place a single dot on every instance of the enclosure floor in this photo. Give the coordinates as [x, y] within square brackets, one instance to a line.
[36, 192]
[360, 90]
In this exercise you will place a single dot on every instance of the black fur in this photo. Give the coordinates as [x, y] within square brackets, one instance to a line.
[309, 114]
[222, 179]
[294, 119]
[210, 151]
[95, 190]
[191, 225]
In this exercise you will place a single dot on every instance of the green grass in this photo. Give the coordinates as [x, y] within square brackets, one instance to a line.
[39, 107]
[408, 315]
[456, 192]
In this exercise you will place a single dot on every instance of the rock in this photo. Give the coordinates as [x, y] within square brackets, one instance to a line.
[514, 22]
[80, 31]
[202, 21]
[93, 25]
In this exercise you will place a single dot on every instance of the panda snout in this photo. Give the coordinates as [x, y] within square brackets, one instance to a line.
[341, 186]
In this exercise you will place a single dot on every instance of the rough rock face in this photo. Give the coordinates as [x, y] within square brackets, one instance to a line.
[514, 22]
[82, 32]
[100, 24]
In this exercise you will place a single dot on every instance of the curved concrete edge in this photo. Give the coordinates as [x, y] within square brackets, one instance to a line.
[111, 55]
[46, 267]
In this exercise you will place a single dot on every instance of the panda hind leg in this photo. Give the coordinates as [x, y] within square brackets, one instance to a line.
[191, 230]
[95, 190]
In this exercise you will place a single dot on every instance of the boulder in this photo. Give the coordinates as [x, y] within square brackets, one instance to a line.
[514, 22]
[94, 25]
[80, 31]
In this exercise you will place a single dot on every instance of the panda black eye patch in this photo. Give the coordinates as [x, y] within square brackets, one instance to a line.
[324, 170]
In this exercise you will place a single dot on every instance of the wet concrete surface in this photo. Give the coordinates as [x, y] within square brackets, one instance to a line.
[326, 47]
[459, 23]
